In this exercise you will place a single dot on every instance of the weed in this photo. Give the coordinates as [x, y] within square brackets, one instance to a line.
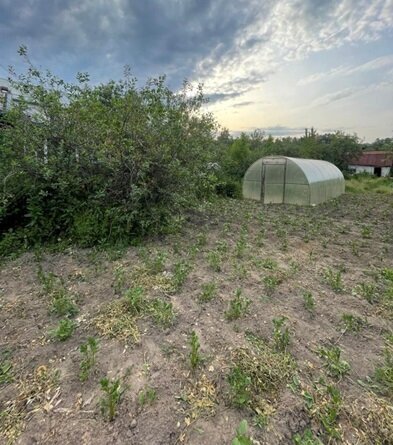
[241, 386]
[64, 329]
[48, 280]
[201, 239]
[111, 398]
[368, 291]
[156, 263]
[214, 260]
[195, 357]
[383, 374]
[366, 232]
[387, 273]
[88, 351]
[62, 304]
[242, 437]
[5, 372]
[238, 306]
[352, 323]
[241, 244]
[222, 247]
[147, 396]
[325, 404]
[181, 271]
[334, 279]
[307, 438]
[309, 302]
[335, 366]
[209, 291]
[354, 247]
[269, 263]
[271, 283]
[162, 312]
[136, 300]
[281, 336]
[119, 281]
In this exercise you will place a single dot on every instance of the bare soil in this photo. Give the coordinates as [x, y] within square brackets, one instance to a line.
[352, 235]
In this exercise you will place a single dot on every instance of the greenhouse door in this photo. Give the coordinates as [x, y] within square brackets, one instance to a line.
[273, 181]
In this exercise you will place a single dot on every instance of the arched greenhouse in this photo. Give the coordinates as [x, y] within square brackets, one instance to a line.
[283, 180]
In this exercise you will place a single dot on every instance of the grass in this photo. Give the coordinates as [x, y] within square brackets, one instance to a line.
[361, 184]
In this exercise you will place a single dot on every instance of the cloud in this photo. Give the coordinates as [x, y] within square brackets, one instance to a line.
[243, 104]
[371, 65]
[291, 30]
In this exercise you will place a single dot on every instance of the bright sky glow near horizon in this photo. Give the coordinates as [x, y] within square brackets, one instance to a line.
[278, 65]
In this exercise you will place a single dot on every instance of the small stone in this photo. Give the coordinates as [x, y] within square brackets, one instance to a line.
[133, 424]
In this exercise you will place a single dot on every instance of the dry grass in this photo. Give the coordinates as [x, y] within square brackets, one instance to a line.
[36, 392]
[115, 321]
[371, 421]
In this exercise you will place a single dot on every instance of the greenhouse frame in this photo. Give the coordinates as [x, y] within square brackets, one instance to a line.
[284, 180]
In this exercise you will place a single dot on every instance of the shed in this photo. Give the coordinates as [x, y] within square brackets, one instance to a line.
[284, 180]
[378, 163]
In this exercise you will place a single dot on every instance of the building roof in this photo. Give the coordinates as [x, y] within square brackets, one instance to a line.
[374, 159]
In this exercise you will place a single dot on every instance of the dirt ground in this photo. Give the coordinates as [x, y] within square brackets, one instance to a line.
[274, 254]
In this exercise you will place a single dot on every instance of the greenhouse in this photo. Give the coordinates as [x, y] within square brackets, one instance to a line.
[284, 180]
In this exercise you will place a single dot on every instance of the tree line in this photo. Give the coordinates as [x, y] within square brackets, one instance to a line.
[112, 162]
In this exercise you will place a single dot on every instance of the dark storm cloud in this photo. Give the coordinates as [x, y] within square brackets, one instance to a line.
[153, 37]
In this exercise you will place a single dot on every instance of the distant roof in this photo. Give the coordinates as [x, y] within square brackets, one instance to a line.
[374, 159]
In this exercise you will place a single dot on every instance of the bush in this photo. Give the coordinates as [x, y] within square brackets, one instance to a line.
[98, 164]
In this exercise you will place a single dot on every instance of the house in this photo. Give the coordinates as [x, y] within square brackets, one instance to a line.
[378, 163]
[5, 95]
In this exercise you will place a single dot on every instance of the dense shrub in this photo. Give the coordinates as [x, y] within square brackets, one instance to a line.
[101, 163]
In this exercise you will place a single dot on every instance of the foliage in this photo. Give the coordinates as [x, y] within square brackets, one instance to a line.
[101, 164]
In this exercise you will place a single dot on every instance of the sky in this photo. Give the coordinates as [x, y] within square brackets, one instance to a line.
[275, 65]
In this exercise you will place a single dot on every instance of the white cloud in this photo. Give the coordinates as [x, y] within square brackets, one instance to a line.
[290, 30]
[374, 64]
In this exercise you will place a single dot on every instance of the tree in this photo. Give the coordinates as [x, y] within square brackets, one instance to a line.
[101, 163]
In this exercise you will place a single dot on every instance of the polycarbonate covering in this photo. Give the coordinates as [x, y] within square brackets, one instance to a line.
[280, 179]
